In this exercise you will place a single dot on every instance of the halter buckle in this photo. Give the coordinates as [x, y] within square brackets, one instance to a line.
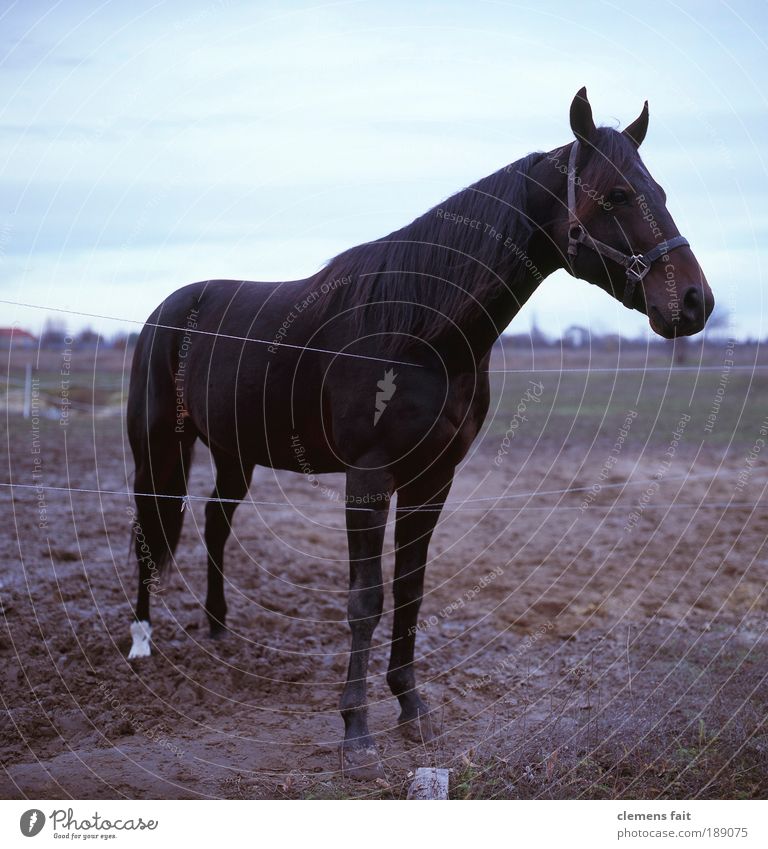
[637, 267]
[576, 234]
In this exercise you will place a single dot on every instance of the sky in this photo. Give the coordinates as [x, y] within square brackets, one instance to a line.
[144, 146]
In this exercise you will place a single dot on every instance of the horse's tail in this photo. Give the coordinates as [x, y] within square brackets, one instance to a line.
[161, 438]
[158, 518]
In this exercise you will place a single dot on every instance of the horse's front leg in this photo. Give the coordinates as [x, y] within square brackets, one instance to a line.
[367, 507]
[418, 509]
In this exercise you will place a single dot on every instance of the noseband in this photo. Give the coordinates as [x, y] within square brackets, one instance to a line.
[635, 265]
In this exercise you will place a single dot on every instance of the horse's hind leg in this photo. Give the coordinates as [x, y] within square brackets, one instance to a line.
[162, 463]
[413, 531]
[232, 481]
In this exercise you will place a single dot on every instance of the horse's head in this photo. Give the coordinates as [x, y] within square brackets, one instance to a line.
[616, 231]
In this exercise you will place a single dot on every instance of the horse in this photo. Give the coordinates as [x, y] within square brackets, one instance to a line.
[376, 366]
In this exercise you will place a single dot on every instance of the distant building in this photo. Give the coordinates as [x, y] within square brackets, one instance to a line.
[16, 337]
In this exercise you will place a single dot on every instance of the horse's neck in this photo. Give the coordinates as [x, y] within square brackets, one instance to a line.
[492, 316]
[499, 304]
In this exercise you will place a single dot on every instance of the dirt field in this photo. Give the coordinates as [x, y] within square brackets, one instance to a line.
[608, 641]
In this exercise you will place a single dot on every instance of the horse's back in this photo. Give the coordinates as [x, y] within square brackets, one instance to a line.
[252, 369]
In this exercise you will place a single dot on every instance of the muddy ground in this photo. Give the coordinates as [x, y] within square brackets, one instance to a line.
[580, 644]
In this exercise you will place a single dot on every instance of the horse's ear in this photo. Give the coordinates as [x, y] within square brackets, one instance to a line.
[636, 131]
[582, 124]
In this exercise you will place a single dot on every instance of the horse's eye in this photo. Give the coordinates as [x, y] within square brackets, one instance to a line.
[618, 196]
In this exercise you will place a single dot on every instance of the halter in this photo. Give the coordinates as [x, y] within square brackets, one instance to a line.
[636, 265]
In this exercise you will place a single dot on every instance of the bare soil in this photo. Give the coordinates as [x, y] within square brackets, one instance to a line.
[569, 651]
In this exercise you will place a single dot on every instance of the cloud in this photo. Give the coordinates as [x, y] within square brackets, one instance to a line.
[252, 135]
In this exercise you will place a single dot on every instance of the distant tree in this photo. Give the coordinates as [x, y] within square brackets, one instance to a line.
[538, 339]
[123, 340]
[610, 342]
[517, 340]
[54, 333]
[719, 322]
[575, 336]
[681, 348]
[88, 338]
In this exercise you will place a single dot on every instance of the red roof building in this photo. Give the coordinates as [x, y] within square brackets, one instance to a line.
[17, 337]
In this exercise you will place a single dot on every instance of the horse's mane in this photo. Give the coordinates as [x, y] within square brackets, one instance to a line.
[429, 275]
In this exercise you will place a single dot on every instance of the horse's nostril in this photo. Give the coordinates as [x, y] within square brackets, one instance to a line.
[692, 300]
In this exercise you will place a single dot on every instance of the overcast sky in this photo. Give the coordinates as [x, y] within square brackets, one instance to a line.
[147, 145]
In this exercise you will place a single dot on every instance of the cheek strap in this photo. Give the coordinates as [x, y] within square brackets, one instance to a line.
[636, 265]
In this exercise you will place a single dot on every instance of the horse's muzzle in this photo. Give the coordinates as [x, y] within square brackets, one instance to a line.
[686, 317]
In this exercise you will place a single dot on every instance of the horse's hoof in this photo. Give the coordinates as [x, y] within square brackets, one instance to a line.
[141, 640]
[418, 725]
[219, 631]
[360, 762]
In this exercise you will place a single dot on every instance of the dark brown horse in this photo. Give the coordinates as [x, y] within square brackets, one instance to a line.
[377, 366]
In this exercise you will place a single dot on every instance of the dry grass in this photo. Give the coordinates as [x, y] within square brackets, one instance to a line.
[700, 733]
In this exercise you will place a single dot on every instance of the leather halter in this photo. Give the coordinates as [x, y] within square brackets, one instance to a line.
[635, 265]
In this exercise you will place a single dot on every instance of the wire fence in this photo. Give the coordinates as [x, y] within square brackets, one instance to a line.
[671, 369]
[490, 502]
[472, 503]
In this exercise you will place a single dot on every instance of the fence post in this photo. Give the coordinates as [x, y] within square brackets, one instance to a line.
[28, 391]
